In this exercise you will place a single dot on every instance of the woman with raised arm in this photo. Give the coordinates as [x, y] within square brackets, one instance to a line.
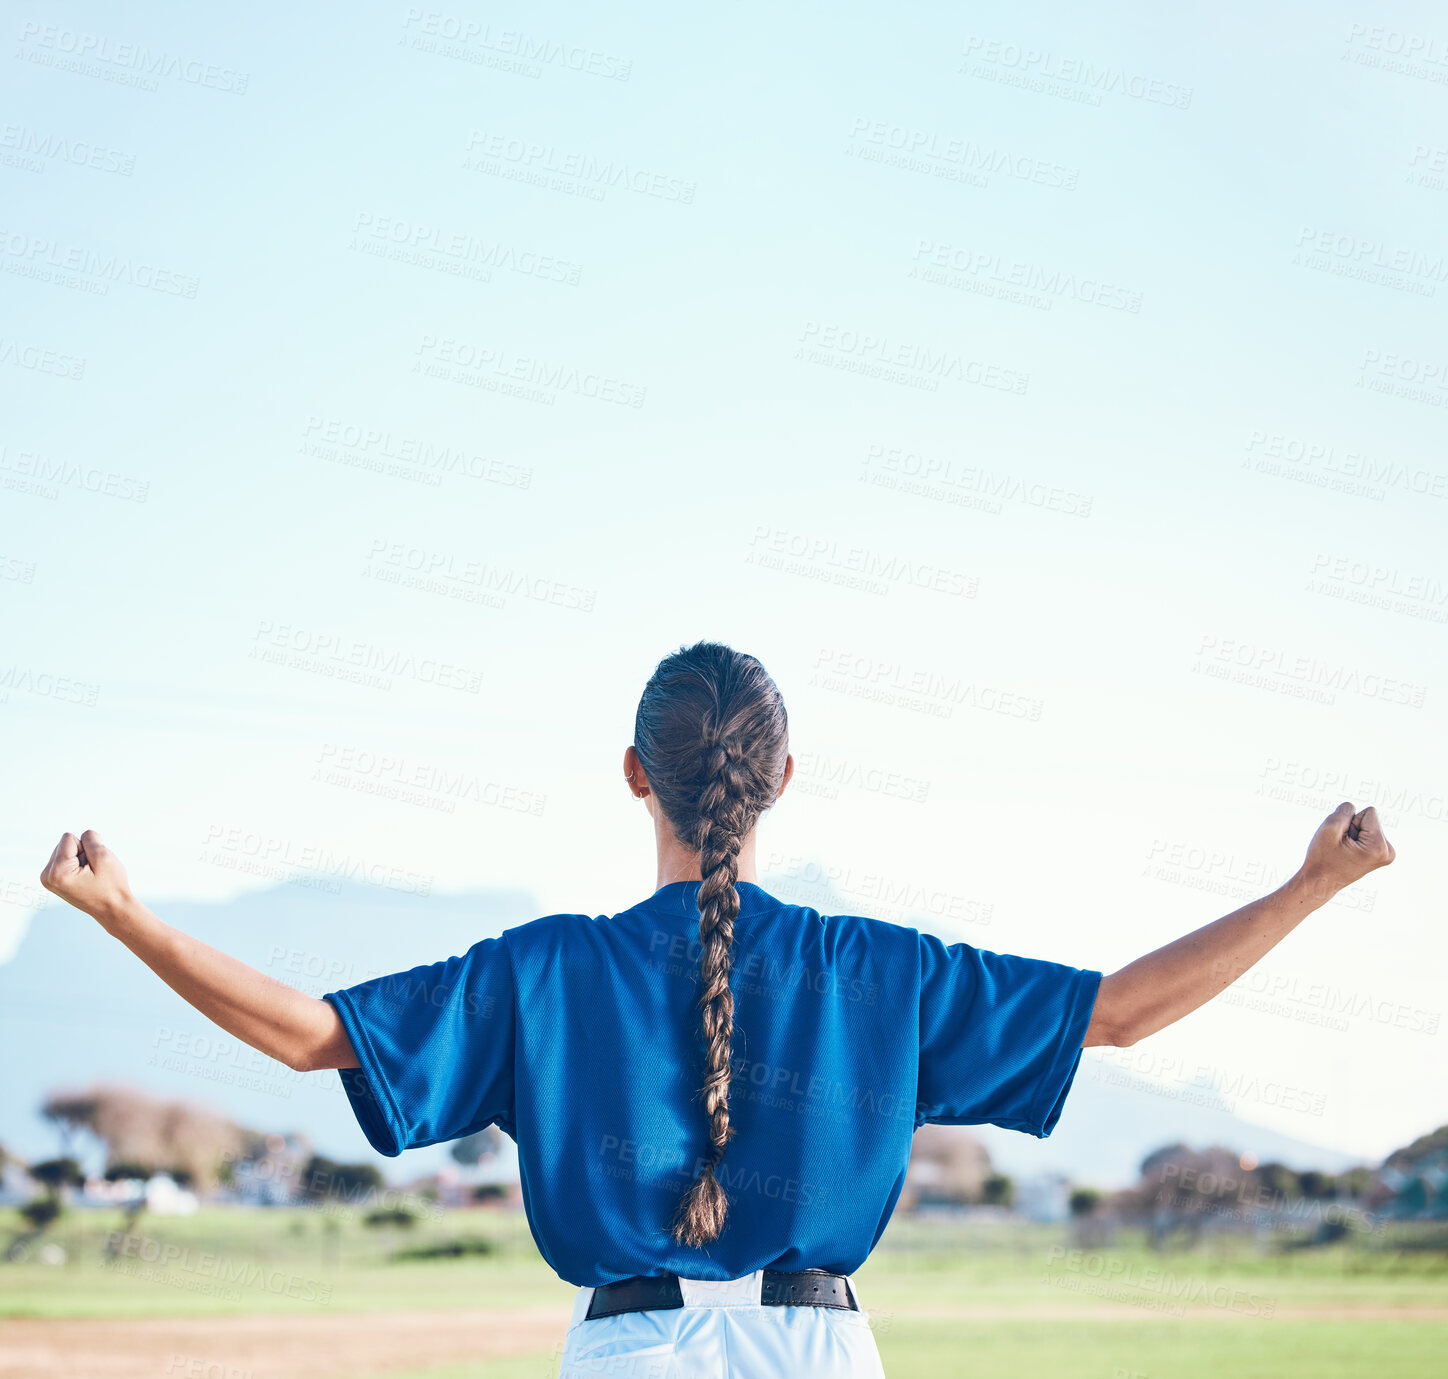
[713, 1092]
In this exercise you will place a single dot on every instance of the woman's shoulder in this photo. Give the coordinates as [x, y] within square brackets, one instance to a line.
[550, 926]
[843, 918]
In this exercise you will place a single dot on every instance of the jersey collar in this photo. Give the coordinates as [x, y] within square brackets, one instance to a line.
[681, 898]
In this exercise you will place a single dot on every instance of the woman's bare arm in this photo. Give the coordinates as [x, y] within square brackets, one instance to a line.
[1154, 991]
[296, 1029]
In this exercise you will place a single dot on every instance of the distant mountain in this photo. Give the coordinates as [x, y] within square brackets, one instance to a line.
[76, 1007]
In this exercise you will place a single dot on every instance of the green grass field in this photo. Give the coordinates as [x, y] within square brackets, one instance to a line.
[945, 1297]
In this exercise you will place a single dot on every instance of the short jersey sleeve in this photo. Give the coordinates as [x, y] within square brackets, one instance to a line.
[435, 1047]
[1000, 1036]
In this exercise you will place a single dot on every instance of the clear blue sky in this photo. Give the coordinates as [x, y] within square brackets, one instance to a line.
[1048, 360]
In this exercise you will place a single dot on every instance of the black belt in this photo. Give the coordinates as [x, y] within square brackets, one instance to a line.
[807, 1288]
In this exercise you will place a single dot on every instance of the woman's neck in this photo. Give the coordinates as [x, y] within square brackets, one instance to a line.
[678, 863]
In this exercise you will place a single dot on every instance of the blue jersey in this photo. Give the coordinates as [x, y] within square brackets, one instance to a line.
[578, 1037]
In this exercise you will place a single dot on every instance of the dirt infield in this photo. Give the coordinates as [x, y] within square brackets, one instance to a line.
[1128, 1312]
[311, 1346]
[349, 1345]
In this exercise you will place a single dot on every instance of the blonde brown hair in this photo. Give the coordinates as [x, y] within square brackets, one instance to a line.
[712, 736]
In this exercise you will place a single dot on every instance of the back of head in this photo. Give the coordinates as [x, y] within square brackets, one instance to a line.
[712, 736]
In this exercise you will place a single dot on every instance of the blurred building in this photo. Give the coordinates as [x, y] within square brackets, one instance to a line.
[1045, 1197]
[948, 1167]
[1413, 1181]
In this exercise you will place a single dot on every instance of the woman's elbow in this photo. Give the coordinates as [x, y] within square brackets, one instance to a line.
[300, 1060]
[333, 1052]
[1112, 1029]
[1114, 1021]
[324, 1048]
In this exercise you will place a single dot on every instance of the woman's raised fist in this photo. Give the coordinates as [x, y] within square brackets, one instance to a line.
[85, 872]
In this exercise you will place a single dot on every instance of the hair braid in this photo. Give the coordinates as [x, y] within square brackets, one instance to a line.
[723, 812]
[713, 738]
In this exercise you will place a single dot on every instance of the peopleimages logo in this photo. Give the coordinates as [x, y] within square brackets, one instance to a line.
[921, 150]
[43, 259]
[226, 846]
[532, 160]
[953, 480]
[31, 148]
[455, 250]
[757, 972]
[935, 261]
[930, 691]
[21, 354]
[878, 571]
[328, 653]
[52, 45]
[217, 1268]
[900, 361]
[1128, 1275]
[1271, 667]
[1020, 64]
[500, 369]
[450, 35]
[640, 1161]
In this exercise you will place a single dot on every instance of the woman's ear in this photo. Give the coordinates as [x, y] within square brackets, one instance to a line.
[788, 772]
[633, 772]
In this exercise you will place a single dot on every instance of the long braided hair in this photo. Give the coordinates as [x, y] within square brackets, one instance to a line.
[712, 736]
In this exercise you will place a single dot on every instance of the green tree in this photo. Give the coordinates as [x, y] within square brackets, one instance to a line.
[390, 1216]
[998, 1191]
[1281, 1181]
[472, 1149]
[54, 1176]
[126, 1173]
[40, 1212]
[326, 1180]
